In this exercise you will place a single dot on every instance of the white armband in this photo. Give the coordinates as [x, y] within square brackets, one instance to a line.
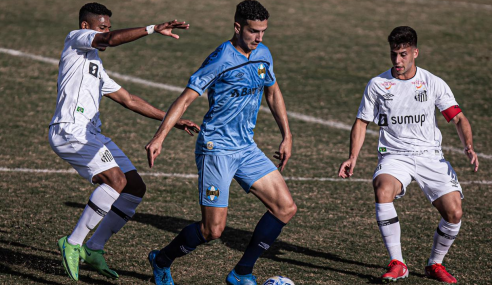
[150, 29]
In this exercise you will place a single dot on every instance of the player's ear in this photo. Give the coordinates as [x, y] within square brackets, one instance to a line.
[237, 28]
[415, 52]
[84, 25]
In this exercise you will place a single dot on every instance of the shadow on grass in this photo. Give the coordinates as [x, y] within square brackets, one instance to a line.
[29, 261]
[238, 239]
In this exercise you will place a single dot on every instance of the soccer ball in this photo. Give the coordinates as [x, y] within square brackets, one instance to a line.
[278, 280]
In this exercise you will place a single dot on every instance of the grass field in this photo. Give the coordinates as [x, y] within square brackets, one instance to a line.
[325, 51]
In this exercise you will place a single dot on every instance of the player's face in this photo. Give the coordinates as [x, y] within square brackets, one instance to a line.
[403, 59]
[100, 23]
[251, 34]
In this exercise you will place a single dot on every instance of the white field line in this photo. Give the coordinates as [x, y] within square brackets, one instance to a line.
[451, 3]
[298, 116]
[194, 176]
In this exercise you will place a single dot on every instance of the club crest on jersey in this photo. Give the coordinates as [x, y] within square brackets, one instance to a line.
[261, 71]
[212, 193]
[420, 95]
[93, 69]
[210, 145]
[106, 156]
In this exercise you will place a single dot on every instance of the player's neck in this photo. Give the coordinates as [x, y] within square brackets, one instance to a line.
[244, 51]
[405, 76]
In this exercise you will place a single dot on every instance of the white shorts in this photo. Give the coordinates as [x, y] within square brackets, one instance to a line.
[435, 176]
[87, 150]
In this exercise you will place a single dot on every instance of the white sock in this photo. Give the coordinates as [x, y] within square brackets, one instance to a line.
[99, 204]
[122, 210]
[443, 239]
[389, 226]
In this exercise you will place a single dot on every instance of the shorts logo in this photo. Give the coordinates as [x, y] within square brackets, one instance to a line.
[261, 71]
[421, 96]
[106, 156]
[455, 183]
[379, 167]
[382, 149]
[80, 109]
[383, 120]
[93, 69]
[212, 193]
[210, 145]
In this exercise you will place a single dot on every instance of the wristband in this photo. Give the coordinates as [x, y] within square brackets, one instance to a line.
[150, 29]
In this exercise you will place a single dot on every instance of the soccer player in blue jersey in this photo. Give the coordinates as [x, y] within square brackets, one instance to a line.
[236, 75]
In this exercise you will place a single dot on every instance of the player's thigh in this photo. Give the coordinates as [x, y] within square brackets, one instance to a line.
[437, 178]
[449, 206]
[253, 166]
[215, 173]
[391, 177]
[272, 190]
[80, 147]
[213, 222]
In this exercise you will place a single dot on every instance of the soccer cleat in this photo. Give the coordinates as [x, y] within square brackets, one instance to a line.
[95, 259]
[70, 257]
[396, 270]
[235, 279]
[162, 276]
[438, 272]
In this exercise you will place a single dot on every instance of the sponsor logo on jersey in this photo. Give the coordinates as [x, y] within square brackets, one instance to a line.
[210, 145]
[80, 109]
[93, 69]
[407, 120]
[418, 84]
[245, 91]
[261, 71]
[420, 95]
[387, 85]
[212, 193]
[106, 156]
[383, 120]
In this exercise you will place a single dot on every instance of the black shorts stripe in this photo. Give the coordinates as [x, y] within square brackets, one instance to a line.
[444, 235]
[388, 222]
[120, 213]
[96, 209]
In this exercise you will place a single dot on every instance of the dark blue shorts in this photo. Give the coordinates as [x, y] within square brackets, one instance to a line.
[215, 173]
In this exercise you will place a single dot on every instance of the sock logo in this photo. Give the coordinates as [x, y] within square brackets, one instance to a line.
[264, 245]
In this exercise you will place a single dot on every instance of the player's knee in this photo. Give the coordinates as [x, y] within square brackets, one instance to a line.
[384, 193]
[454, 215]
[117, 181]
[286, 212]
[136, 186]
[212, 233]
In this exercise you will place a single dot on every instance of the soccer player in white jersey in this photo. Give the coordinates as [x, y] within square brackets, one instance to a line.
[402, 102]
[75, 134]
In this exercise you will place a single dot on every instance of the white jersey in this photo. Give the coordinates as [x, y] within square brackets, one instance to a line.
[82, 81]
[405, 111]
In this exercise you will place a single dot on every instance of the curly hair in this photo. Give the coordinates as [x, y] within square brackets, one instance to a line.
[250, 10]
[402, 36]
[93, 9]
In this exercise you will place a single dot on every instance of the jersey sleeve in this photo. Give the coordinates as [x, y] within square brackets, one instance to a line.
[445, 101]
[82, 39]
[108, 84]
[270, 76]
[368, 108]
[207, 74]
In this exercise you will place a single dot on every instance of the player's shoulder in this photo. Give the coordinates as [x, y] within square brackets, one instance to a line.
[221, 53]
[382, 79]
[429, 77]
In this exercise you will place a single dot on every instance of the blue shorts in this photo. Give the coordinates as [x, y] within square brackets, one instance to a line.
[215, 173]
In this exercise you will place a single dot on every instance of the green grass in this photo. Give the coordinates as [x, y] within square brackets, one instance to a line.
[324, 52]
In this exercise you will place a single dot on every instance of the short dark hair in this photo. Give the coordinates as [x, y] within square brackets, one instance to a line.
[93, 9]
[402, 36]
[250, 10]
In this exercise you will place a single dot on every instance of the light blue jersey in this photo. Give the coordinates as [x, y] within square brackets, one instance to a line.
[235, 87]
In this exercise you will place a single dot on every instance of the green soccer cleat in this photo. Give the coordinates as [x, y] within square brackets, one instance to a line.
[70, 257]
[95, 259]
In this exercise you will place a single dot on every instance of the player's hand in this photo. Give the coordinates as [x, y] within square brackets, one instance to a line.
[347, 168]
[166, 29]
[283, 154]
[472, 156]
[153, 149]
[188, 126]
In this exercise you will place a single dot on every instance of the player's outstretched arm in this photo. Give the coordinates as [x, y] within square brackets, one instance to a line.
[357, 136]
[118, 37]
[464, 130]
[276, 104]
[142, 107]
[172, 116]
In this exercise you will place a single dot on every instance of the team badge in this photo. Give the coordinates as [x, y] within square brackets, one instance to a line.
[106, 156]
[261, 71]
[93, 69]
[212, 193]
[210, 145]
[420, 95]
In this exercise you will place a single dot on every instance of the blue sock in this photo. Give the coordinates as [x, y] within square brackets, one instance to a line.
[188, 239]
[266, 232]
